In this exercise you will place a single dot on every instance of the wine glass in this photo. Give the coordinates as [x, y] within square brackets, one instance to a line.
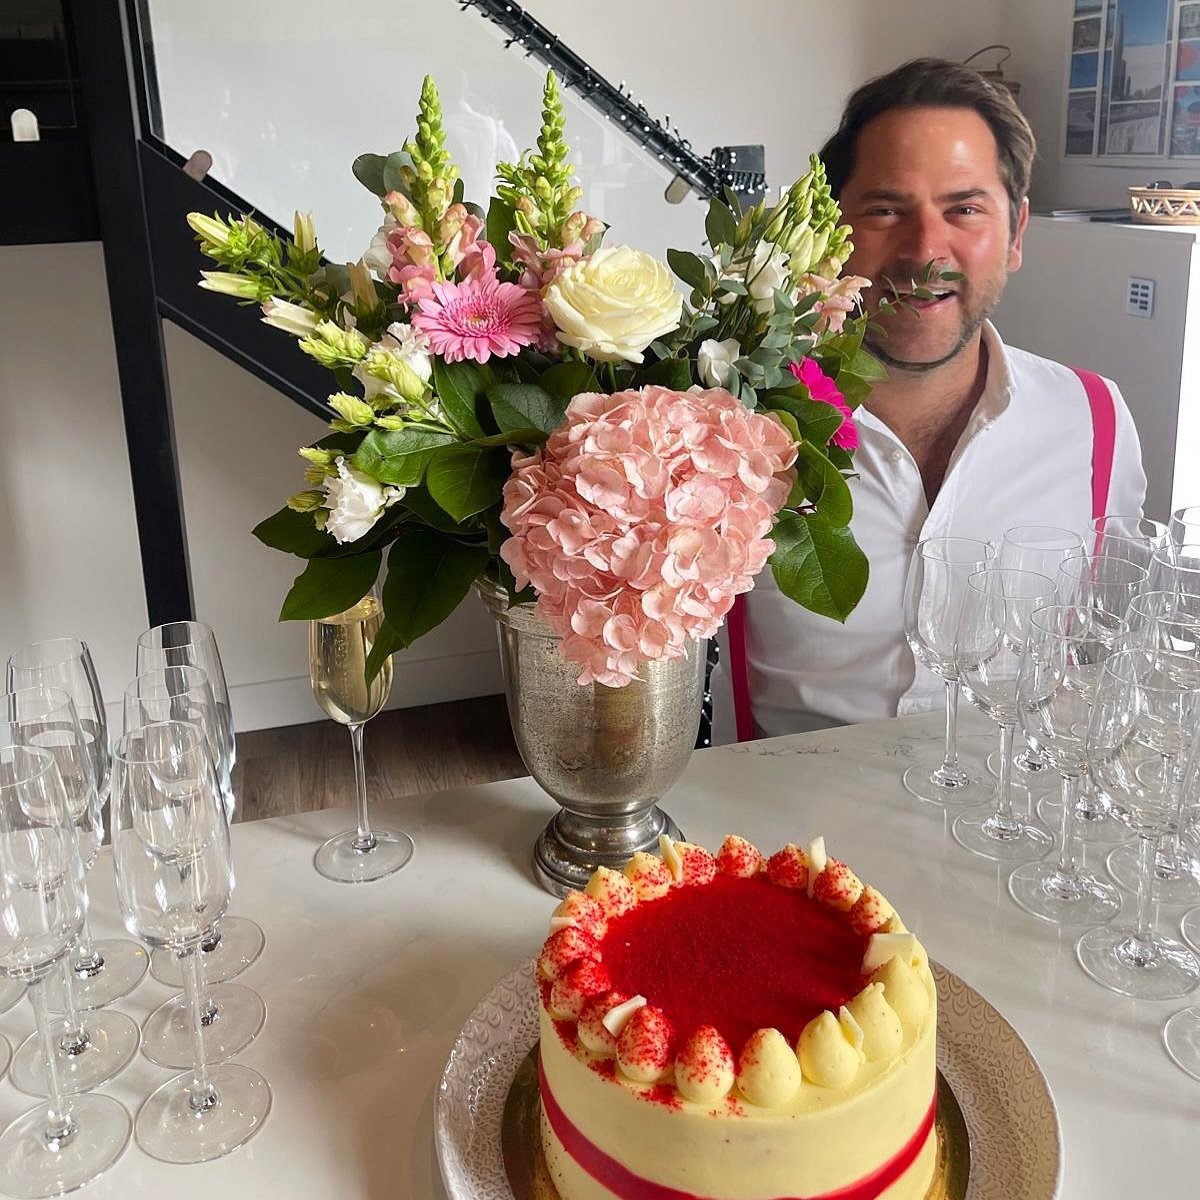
[1146, 713]
[933, 599]
[1135, 539]
[232, 1016]
[338, 649]
[237, 941]
[89, 1049]
[1060, 672]
[173, 863]
[992, 636]
[110, 968]
[1185, 525]
[67, 1141]
[1040, 549]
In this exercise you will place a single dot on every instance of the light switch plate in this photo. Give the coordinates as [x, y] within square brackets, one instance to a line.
[1139, 299]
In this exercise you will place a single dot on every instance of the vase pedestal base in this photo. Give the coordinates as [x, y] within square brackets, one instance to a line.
[571, 846]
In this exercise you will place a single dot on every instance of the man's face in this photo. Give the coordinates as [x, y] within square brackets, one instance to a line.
[926, 187]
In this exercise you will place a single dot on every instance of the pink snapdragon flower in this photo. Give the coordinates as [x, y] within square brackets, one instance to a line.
[642, 518]
[822, 387]
[478, 319]
[839, 298]
[413, 266]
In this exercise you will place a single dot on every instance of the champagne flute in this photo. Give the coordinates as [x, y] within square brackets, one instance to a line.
[232, 1016]
[174, 864]
[91, 1048]
[108, 969]
[338, 649]
[237, 941]
[992, 637]
[67, 1141]
[1060, 672]
[1040, 549]
[933, 600]
[1185, 525]
[1147, 712]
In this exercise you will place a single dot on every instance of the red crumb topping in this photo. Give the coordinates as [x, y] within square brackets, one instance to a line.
[606, 1068]
[566, 1033]
[662, 1093]
[738, 954]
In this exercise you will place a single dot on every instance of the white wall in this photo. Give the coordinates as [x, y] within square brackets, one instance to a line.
[770, 70]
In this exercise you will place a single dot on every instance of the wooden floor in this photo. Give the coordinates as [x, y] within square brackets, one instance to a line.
[408, 751]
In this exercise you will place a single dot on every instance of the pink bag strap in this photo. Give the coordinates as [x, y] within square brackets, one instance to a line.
[739, 670]
[1104, 436]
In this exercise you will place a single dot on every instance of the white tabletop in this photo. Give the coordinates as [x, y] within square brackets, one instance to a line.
[367, 987]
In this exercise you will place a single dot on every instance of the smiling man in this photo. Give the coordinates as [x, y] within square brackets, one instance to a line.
[967, 437]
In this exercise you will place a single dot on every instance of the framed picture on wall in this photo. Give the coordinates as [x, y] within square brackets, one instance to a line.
[1133, 81]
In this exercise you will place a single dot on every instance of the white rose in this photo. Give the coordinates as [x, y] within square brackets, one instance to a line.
[715, 360]
[355, 502]
[614, 304]
[767, 272]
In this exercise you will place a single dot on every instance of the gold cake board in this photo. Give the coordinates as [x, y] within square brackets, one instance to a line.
[529, 1177]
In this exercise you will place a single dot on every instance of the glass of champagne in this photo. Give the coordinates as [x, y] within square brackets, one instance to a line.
[933, 601]
[1181, 1034]
[338, 649]
[1185, 525]
[110, 968]
[237, 941]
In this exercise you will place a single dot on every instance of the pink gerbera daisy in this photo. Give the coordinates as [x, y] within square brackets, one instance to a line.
[822, 387]
[479, 318]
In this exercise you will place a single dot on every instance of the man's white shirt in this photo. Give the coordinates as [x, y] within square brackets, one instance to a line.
[1025, 458]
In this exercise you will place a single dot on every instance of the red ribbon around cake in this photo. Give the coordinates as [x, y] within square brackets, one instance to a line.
[622, 1182]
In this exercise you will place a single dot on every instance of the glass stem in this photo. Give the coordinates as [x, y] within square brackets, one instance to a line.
[203, 1094]
[1068, 858]
[76, 1039]
[1145, 887]
[950, 762]
[86, 960]
[60, 1125]
[365, 839]
[1004, 809]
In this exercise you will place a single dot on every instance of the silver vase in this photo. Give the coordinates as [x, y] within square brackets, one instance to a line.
[605, 754]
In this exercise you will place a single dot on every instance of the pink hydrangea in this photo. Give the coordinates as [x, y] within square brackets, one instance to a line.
[642, 518]
[822, 387]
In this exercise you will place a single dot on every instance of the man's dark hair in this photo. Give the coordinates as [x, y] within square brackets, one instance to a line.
[937, 83]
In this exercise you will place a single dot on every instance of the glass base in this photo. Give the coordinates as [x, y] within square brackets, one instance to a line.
[5, 1055]
[1030, 769]
[112, 1041]
[1165, 970]
[1190, 928]
[926, 780]
[1044, 890]
[10, 992]
[124, 964]
[1122, 865]
[1181, 1036]
[172, 1130]
[338, 859]
[239, 944]
[239, 1018]
[30, 1168]
[1095, 825]
[1016, 839]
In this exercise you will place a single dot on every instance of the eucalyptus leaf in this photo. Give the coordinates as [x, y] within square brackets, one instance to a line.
[428, 576]
[368, 170]
[524, 405]
[392, 180]
[720, 225]
[688, 267]
[465, 480]
[818, 565]
[398, 456]
[501, 221]
[328, 586]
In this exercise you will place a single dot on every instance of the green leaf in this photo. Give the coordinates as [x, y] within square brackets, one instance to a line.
[501, 221]
[511, 437]
[459, 385]
[428, 576]
[732, 287]
[392, 179]
[569, 379]
[368, 170]
[720, 226]
[673, 373]
[525, 595]
[387, 642]
[425, 508]
[343, 443]
[823, 485]
[818, 422]
[293, 533]
[866, 366]
[465, 480]
[689, 268]
[818, 565]
[522, 405]
[330, 585]
[398, 456]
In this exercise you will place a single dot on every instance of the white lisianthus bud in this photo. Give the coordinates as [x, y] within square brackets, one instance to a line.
[212, 229]
[304, 235]
[362, 286]
[291, 318]
[767, 271]
[351, 409]
[228, 284]
[355, 502]
[714, 362]
[306, 501]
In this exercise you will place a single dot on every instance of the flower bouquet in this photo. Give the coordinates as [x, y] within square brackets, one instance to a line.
[518, 403]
